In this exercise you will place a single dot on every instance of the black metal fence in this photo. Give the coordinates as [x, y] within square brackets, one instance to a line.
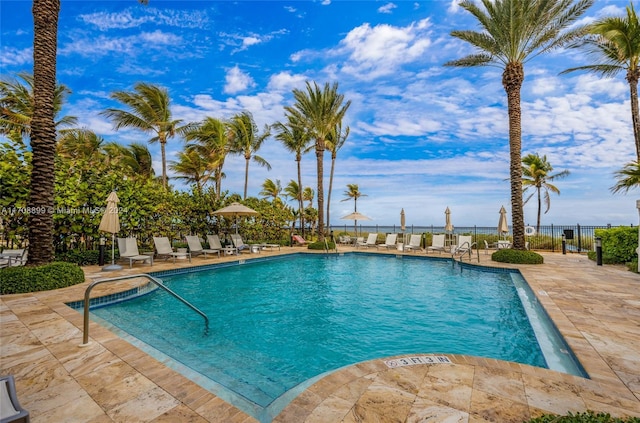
[578, 238]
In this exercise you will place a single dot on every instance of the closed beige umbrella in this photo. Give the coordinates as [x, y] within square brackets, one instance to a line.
[448, 227]
[402, 221]
[503, 225]
[235, 210]
[111, 223]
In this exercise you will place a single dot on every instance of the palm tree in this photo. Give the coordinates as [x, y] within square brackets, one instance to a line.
[148, 108]
[247, 142]
[614, 42]
[514, 32]
[271, 189]
[319, 111]
[353, 192]
[296, 140]
[628, 178]
[334, 143]
[191, 167]
[212, 141]
[81, 145]
[536, 174]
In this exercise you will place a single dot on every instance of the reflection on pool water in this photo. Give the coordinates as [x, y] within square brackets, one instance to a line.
[277, 323]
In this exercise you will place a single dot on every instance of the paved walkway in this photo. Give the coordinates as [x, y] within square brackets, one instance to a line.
[597, 309]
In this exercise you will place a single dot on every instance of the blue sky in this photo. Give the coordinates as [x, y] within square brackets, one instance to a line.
[423, 136]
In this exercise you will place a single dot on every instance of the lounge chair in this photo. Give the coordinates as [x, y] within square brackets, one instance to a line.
[370, 242]
[164, 249]
[11, 258]
[128, 248]
[10, 408]
[239, 243]
[298, 240]
[487, 246]
[414, 243]
[464, 245]
[437, 243]
[195, 247]
[215, 244]
[389, 242]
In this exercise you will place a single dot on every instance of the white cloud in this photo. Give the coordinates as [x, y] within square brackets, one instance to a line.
[135, 17]
[131, 45]
[387, 8]
[11, 56]
[285, 81]
[237, 81]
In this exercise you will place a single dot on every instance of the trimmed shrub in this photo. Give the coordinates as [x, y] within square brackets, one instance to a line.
[18, 280]
[587, 417]
[83, 257]
[618, 244]
[507, 255]
[318, 245]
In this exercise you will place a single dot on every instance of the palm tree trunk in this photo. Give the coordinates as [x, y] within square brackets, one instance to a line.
[539, 210]
[163, 142]
[333, 164]
[632, 78]
[43, 131]
[320, 194]
[246, 177]
[300, 204]
[512, 79]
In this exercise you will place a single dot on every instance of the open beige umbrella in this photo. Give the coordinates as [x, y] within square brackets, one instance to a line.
[235, 210]
[503, 225]
[355, 216]
[402, 220]
[111, 223]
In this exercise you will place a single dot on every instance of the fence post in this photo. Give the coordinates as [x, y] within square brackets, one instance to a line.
[579, 238]
[553, 240]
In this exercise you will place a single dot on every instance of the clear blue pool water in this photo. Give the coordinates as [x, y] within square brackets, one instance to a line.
[276, 324]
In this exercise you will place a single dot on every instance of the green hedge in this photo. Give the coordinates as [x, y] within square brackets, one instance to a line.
[83, 257]
[18, 280]
[588, 417]
[321, 245]
[618, 244]
[507, 255]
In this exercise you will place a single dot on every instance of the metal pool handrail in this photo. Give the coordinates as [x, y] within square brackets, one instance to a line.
[87, 300]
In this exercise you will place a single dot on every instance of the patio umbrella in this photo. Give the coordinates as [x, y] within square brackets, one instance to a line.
[448, 227]
[111, 223]
[402, 220]
[355, 216]
[234, 210]
[503, 226]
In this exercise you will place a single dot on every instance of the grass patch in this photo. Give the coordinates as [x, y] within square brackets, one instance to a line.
[19, 280]
[587, 417]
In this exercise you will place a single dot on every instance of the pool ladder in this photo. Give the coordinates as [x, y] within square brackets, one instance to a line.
[468, 249]
[158, 282]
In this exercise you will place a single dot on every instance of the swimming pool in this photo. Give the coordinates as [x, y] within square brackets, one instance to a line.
[275, 324]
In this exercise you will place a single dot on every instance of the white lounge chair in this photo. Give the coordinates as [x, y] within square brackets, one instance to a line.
[370, 242]
[414, 243]
[239, 243]
[215, 244]
[464, 245]
[389, 242]
[15, 257]
[195, 247]
[437, 243]
[128, 248]
[164, 249]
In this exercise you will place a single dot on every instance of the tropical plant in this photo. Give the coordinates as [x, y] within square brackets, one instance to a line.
[353, 193]
[271, 189]
[296, 140]
[512, 33]
[318, 112]
[211, 139]
[334, 143]
[191, 167]
[246, 142]
[148, 109]
[292, 190]
[536, 174]
[135, 159]
[628, 178]
[614, 43]
[307, 195]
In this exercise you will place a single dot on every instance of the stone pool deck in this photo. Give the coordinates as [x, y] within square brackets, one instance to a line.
[597, 309]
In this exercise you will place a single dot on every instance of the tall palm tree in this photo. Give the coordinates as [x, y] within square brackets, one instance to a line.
[614, 42]
[296, 140]
[81, 145]
[536, 174]
[43, 131]
[319, 111]
[135, 159]
[512, 33]
[246, 141]
[353, 193]
[271, 189]
[192, 167]
[308, 194]
[628, 178]
[334, 143]
[211, 139]
[148, 108]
